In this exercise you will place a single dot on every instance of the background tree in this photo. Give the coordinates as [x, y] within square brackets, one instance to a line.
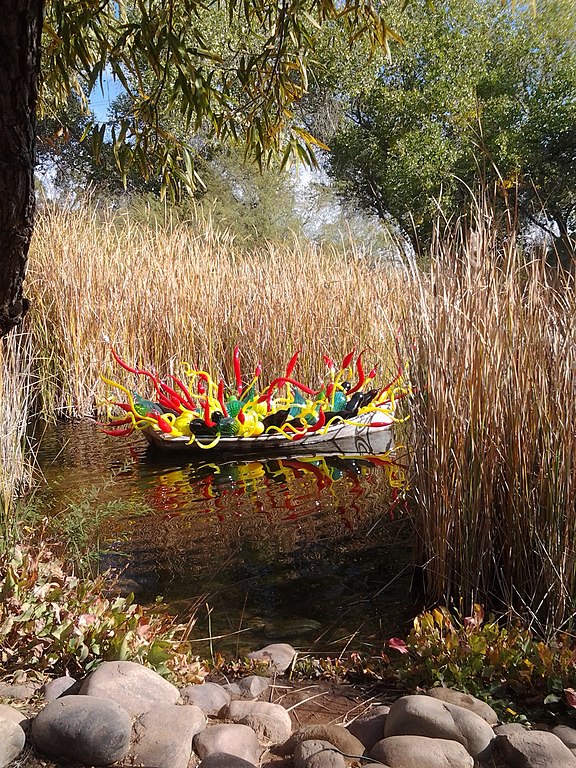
[479, 93]
[246, 94]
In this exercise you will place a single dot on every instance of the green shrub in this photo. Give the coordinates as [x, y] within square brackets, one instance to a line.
[51, 622]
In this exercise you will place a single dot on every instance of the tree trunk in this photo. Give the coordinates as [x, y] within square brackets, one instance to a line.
[20, 48]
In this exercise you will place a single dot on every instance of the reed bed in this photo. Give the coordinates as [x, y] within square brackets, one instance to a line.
[494, 424]
[164, 294]
[15, 401]
[490, 336]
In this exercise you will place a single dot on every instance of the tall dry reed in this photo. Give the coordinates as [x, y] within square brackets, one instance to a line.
[164, 294]
[494, 423]
[15, 401]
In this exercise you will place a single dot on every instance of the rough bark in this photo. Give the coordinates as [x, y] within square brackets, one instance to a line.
[20, 47]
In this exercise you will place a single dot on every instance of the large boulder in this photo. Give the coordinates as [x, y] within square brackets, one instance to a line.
[336, 735]
[135, 687]
[210, 697]
[59, 687]
[13, 715]
[224, 760]
[426, 716]
[279, 656]
[230, 738]
[534, 749]
[465, 700]
[420, 751]
[248, 687]
[163, 735]
[83, 729]
[317, 754]
[12, 740]
[261, 716]
[369, 728]
[567, 735]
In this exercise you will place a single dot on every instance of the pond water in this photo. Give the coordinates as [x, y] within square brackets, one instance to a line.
[312, 551]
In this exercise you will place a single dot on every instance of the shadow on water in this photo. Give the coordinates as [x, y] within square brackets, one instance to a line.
[314, 551]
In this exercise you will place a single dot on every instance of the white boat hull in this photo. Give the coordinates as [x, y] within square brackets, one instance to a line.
[341, 438]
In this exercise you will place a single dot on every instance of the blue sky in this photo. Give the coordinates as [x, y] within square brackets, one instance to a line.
[102, 96]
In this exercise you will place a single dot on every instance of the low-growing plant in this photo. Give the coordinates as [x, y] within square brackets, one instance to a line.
[519, 674]
[52, 623]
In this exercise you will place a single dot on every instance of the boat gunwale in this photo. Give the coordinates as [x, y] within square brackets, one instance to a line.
[261, 444]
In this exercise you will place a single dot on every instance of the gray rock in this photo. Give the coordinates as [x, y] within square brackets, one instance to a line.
[84, 729]
[267, 728]
[420, 751]
[336, 735]
[237, 711]
[135, 687]
[534, 749]
[509, 728]
[13, 715]
[465, 700]
[425, 716]
[224, 760]
[253, 686]
[163, 735]
[326, 759]
[369, 728]
[17, 692]
[317, 754]
[231, 738]
[58, 687]
[566, 734]
[278, 655]
[248, 687]
[12, 740]
[233, 690]
[210, 697]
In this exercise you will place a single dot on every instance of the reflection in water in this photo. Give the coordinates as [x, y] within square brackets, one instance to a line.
[284, 489]
[304, 550]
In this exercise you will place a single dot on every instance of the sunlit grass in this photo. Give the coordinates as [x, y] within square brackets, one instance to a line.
[494, 424]
[15, 400]
[185, 292]
[491, 339]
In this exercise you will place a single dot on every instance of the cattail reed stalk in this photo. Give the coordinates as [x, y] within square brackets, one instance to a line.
[184, 292]
[494, 427]
[15, 403]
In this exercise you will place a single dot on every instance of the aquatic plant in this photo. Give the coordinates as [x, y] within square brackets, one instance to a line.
[166, 292]
[492, 339]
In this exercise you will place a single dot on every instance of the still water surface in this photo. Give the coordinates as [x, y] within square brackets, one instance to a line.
[310, 551]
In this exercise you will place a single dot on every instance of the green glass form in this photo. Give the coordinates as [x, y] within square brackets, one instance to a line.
[143, 406]
[339, 401]
[229, 427]
[233, 406]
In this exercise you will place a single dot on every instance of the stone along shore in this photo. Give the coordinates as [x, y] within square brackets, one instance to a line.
[127, 715]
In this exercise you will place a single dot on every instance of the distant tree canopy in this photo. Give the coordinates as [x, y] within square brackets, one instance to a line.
[479, 92]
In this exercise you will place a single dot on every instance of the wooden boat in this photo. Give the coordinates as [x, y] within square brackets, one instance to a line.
[352, 437]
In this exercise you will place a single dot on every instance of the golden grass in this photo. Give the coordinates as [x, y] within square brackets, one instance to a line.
[15, 399]
[492, 343]
[494, 424]
[183, 292]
